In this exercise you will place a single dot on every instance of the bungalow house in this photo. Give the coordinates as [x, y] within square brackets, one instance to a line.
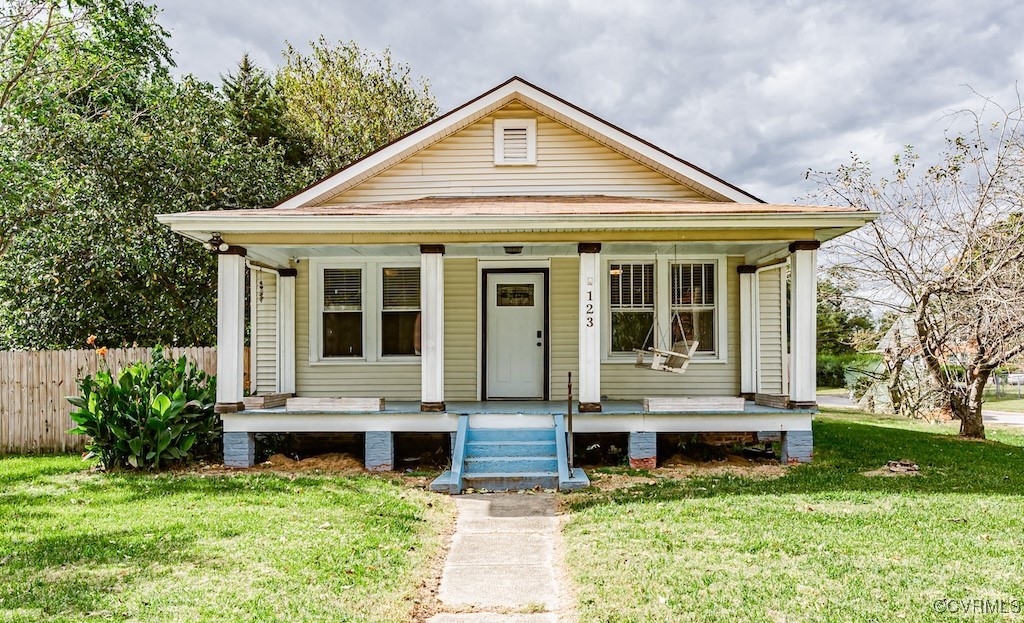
[452, 281]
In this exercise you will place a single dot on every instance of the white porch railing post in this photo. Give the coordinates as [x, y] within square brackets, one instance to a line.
[803, 323]
[590, 327]
[749, 318]
[286, 330]
[230, 330]
[432, 327]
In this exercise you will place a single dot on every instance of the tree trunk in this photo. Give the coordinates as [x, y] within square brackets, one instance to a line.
[972, 424]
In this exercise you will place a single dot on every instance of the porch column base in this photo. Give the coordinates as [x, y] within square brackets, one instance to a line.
[239, 449]
[797, 447]
[643, 450]
[433, 407]
[747, 395]
[228, 407]
[589, 407]
[380, 451]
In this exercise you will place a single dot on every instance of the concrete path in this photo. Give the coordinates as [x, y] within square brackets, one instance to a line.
[1009, 418]
[503, 563]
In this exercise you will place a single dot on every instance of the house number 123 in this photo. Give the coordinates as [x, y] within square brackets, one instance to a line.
[590, 309]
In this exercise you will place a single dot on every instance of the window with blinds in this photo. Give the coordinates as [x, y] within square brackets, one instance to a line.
[515, 141]
[692, 303]
[342, 312]
[631, 301]
[400, 311]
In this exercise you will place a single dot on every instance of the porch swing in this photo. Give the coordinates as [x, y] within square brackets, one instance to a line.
[675, 360]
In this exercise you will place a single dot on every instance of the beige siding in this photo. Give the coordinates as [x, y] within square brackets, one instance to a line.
[770, 331]
[392, 381]
[568, 163]
[263, 338]
[564, 328]
[624, 381]
[461, 293]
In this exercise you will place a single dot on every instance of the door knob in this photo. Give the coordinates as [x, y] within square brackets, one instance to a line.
[539, 344]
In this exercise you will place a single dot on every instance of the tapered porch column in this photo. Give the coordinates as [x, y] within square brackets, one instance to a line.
[803, 323]
[590, 327]
[432, 327]
[286, 330]
[230, 329]
[749, 318]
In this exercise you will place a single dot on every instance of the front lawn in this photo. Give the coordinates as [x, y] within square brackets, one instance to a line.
[1008, 402]
[248, 547]
[821, 543]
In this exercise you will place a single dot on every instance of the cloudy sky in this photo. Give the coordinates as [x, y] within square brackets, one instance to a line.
[756, 92]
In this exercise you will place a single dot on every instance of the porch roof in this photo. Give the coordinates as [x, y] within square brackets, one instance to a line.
[520, 214]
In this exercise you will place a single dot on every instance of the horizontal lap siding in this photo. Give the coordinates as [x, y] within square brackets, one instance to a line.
[771, 347]
[564, 329]
[568, 163]
[264, 332]
[392, 381]
[624, 381]
[460, 329]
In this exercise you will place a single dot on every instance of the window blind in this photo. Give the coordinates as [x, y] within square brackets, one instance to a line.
[632, 286]
[401, 288]
[343, 289]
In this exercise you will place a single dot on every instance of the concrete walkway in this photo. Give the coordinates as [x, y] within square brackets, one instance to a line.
[504, 560]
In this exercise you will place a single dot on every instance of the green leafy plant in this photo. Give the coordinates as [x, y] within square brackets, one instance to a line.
[149, 414]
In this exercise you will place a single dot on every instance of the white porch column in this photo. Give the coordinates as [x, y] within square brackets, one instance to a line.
[432, 327]
[286, 330]
[590, 327]
[749, 319]
[803, 323]
[230, 330]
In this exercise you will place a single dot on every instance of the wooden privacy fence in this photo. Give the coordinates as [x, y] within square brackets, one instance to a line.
[34, 412]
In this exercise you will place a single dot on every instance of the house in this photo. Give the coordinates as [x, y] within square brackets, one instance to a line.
[453, 279]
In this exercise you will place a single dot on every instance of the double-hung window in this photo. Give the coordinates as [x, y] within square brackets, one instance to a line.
[692, 300]
[400, 311]
[342, 312]
[366, 311]
[631, 301]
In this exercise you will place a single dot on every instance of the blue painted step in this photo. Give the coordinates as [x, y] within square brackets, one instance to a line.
[521, 481]
[510, 465]
[510, 448]
[510, 434]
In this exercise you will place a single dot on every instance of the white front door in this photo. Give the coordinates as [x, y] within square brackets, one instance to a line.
[515, 335]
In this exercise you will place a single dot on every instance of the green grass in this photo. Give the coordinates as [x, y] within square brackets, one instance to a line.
[822, 543]
[833, 391]
[248, 547]
[1009, 402]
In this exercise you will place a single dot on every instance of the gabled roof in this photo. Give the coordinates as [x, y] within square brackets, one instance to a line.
[517, 89]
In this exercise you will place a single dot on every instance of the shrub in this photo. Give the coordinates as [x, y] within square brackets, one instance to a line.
[148, 414]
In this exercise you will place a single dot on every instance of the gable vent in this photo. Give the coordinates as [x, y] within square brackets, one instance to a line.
[515, 141]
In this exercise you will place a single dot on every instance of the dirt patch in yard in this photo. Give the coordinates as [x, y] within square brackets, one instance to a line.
[330, 462]
[679, 467]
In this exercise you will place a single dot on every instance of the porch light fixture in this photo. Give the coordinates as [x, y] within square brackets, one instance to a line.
[216, 244]
[513, 250]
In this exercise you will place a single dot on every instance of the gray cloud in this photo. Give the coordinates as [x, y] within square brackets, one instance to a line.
[755, 92]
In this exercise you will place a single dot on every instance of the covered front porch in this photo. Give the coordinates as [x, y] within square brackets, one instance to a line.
[444, 310]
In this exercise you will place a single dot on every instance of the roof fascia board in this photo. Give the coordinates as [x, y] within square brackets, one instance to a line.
[211, 222]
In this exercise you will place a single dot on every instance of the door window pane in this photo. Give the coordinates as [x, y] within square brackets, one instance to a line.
[515, 295]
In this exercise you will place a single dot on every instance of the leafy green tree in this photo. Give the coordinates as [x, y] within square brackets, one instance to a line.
[347, 102]
[842, 320]
[255, 105]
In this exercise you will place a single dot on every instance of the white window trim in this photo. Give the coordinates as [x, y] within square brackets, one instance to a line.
[372, 305]
[662, 311]
[499, 141]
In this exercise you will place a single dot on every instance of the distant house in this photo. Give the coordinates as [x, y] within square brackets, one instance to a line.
[459, 274]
